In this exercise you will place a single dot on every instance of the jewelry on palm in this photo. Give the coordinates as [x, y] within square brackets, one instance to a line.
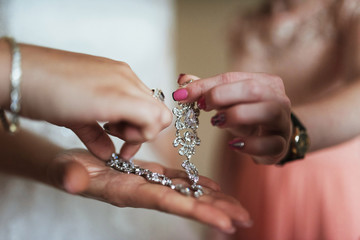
[186, 124]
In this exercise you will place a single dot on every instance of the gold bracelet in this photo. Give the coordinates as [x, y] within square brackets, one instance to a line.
[15, 95]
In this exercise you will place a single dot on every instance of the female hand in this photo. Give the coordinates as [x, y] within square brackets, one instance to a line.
[77, 171]
[252, 106]
[77, 90]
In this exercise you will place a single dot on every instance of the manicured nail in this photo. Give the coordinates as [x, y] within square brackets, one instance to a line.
[247, 224]
[232, 230]
[201, 103]
[180, 94]
[218, 119]
[236, 144]
[180, 76]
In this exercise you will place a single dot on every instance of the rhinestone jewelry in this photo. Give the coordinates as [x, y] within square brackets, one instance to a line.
[128, 167]
[158, 94]
[186, 124]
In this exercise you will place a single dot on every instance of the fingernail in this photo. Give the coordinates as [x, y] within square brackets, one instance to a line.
[236, 144]
[232, 230]
[180, 76]
[201, 103]
[247, 224]
[218, 119]
[180, 94]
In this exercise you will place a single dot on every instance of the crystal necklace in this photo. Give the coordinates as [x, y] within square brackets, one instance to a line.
[186, 124]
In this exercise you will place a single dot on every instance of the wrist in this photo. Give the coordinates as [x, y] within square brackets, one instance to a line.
[5, 70]
[299, 142]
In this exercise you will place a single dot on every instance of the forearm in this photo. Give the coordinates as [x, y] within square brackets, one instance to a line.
[334, 119]
[26, 155]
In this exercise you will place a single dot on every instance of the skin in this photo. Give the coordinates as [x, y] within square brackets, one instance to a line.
[79, 172]
[329, 83]
[256, 109]
[77, 90]
[321, 85]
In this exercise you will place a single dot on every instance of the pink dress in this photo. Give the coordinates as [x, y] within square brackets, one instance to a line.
[316, 198]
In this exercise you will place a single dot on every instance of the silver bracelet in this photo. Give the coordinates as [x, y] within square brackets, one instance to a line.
[186, 124]
[15, 95]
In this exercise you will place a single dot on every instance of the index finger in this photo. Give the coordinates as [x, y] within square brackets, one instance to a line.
[199, 87]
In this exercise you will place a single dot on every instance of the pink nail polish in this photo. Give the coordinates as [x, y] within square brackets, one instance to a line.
[218, 119]
[201, 103]
[237, 144]
[180, 94]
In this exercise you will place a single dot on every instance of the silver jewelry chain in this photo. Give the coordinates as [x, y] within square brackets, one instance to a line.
[186, 124]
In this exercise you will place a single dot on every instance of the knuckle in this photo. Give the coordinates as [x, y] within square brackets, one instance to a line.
[101, 113]
[287, 102]
[123, 69]
[123, 65]
[273, 112]
[254, 90]
[278, 146]
[277, 82]
[237, 114]
[227, 77]
[215, 96]
[166, 117]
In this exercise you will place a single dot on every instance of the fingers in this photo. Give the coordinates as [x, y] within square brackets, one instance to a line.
[125, 131]
[199, 87]
[273, 147]
[271, 114]
[68, 175]
[148, 114]
[203, 181]
[95, 139]
[167, 200]
[186, 78]
[245, 91]
[128, 150]
[239, 216]
[127, 190]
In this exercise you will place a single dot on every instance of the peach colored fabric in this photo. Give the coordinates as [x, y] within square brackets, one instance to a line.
[317, 198]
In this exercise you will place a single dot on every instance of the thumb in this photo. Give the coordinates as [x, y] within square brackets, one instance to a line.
[95, 139]
[68, 175]
[128, 150]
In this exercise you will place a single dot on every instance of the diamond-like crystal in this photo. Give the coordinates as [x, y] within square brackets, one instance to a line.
[179, 125]
[182, 151]
[190, 118]
[177, 112]
[155, 177]
[185, 191]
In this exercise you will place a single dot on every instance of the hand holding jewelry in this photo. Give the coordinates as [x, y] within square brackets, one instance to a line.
[187, 123]
[127, 189]
[253, 107]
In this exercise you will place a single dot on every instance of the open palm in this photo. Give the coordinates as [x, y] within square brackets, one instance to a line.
[81, 172]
